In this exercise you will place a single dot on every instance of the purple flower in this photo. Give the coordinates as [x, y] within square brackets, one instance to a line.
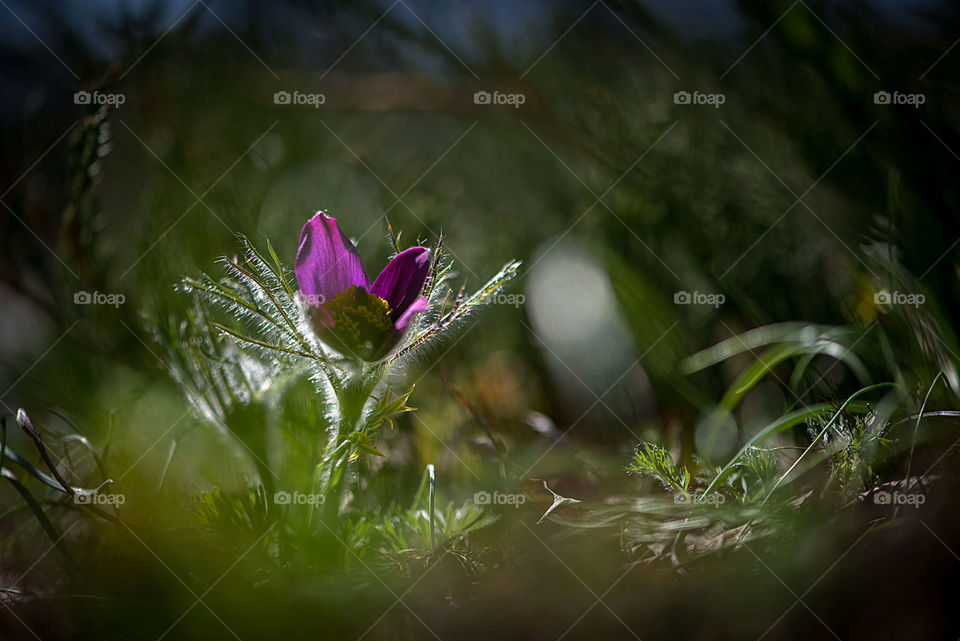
[348, 313]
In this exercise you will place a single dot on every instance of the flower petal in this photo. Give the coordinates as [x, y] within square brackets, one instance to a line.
[327, 262]
[418, 305]
[402, 279]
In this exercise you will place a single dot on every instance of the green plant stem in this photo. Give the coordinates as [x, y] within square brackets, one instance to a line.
[352, 395]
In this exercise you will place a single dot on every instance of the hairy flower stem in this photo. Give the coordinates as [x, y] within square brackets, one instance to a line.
[352, 395]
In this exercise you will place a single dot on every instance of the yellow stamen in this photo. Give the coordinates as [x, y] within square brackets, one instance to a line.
[361, 320]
